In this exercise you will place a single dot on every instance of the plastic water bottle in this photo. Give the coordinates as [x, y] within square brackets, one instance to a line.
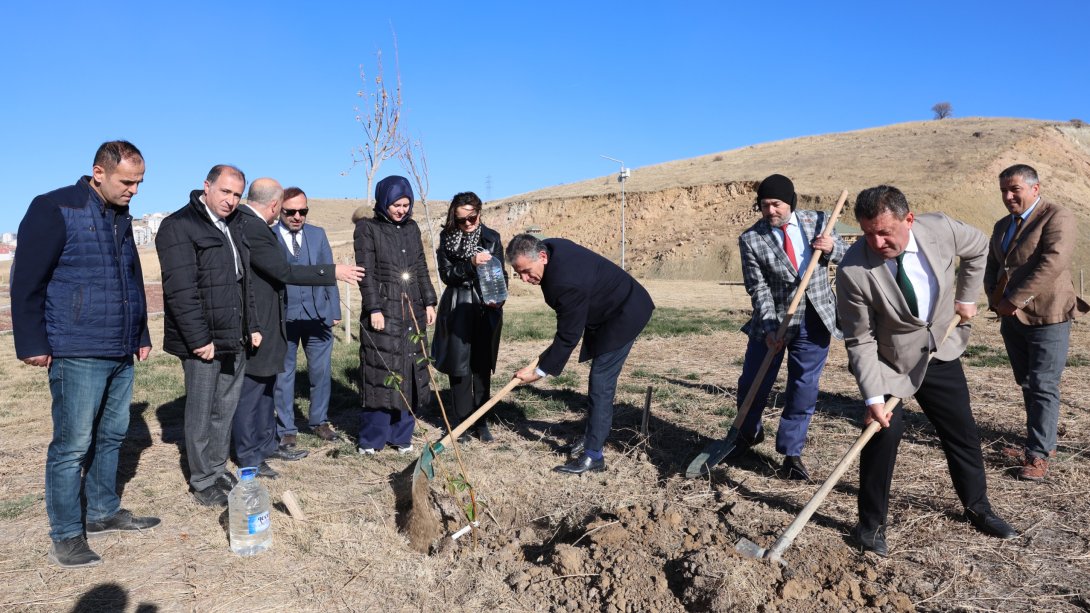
[493, 283]
[248, 515]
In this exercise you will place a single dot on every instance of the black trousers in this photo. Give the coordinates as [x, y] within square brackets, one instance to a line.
[469, 392]
[944, 398]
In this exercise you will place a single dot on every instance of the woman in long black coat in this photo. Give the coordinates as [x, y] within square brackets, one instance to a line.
[388, 246]
[467, 332]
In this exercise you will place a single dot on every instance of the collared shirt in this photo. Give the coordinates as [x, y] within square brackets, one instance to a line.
[803, 250]
[924, 283]
[921, 275]
[285, 233]
[1013, 227]
[222, 225]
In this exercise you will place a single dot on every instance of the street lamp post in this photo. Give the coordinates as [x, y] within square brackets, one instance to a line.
[621, 178]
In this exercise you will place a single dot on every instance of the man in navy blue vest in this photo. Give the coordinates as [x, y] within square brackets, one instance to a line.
[310, 314]
[596, 300]
[78, 309]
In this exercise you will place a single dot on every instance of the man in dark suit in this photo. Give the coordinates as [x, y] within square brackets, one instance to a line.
[310, 315]
[596, 300]
[897, 292]
[253, 430]
[1028, 281]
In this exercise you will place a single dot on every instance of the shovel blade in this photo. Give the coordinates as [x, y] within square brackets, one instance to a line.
[427, 460]
[750, 549]
[712, 455]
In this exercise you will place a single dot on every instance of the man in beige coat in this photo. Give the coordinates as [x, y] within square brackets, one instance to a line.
[1028, 281]
[897, 292]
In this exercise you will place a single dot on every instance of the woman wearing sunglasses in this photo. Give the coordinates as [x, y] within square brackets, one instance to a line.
[467, 331]
[396, 288]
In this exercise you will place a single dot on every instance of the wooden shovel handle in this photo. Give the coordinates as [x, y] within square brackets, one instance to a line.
[476, 415]
[846, 461]
[815, 259]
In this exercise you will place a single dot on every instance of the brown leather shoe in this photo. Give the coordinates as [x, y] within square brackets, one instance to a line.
[288, 440]
[1019, 453]
[326, 432]
[1033, 469]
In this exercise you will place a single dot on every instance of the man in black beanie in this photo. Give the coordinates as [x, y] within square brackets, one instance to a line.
[775, 252]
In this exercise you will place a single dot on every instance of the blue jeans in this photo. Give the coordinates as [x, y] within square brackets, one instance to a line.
[601, 389]
[1038, 355]
[90, 418]
[806, 355]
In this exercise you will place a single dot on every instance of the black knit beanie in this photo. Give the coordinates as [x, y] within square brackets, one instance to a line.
[778, 187]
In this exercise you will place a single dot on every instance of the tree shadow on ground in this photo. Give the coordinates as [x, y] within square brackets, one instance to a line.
[137, 439]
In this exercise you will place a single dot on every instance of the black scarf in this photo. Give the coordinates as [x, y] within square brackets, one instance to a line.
[458, 245]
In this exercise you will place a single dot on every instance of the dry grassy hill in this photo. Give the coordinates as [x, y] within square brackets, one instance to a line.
[683, 217]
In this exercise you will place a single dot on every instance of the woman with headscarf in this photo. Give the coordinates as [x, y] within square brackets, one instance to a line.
[467, 331]
[393, 379]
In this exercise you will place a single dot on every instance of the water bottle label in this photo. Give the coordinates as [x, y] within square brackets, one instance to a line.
[257, 523]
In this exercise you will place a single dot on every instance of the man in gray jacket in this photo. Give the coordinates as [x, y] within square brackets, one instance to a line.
[897, 292]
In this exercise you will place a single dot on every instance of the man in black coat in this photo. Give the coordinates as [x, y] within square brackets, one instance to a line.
[209, 322]
[253, 430]
[594, 299]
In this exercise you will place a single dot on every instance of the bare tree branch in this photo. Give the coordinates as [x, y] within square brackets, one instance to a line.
[379, 115]
[415, 161]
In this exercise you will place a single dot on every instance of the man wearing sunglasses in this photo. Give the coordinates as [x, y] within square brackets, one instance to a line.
[309, 316]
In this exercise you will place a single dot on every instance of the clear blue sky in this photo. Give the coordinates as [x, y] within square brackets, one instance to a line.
[529, 94]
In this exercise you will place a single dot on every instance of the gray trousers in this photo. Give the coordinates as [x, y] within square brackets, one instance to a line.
[1038, 355]
[211, 395]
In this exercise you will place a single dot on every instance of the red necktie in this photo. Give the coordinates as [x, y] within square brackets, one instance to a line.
[788, 248]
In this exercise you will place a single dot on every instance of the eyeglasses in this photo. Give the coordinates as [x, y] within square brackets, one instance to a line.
[466, 221]
[294, 212]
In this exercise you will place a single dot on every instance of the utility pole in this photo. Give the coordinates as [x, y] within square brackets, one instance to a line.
[621, 178]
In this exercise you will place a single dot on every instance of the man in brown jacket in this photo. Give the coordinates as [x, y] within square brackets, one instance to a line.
[1028, 281]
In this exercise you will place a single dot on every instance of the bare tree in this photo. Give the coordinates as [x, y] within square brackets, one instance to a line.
[415, 162]
[380, 115]
[942, 110]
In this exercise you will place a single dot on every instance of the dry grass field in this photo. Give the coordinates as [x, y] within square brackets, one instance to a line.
[638, 537]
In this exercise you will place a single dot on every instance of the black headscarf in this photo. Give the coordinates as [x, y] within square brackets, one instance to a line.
[390, 190]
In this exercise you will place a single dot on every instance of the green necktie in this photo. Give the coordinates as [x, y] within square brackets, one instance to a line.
[905, 284]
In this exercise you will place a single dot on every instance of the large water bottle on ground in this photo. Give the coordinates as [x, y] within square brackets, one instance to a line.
[248, 515]
[493, 283]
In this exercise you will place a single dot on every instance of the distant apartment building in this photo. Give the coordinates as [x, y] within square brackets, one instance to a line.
[145, 228]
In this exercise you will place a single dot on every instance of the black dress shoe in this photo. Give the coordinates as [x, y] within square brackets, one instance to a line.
[464, 438]
[794, 469]
[873, 540]
[211, 496]
[226, 482]
[989, 523]
[290, 454]
[582, 464]
[266, 471]
[744, 443]
[484, 433]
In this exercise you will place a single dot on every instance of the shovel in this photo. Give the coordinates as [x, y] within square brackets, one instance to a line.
[750, 549]
[718, 449]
